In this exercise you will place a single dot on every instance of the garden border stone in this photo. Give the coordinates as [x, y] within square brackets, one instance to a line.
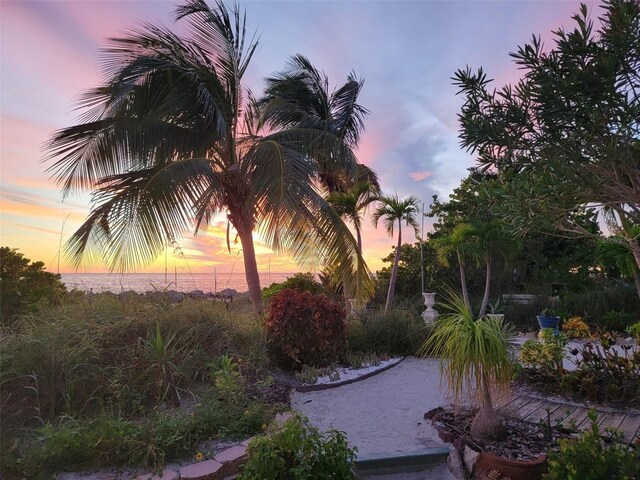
[327, 386]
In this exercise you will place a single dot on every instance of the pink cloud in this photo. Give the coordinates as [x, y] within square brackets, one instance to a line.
[419, 176]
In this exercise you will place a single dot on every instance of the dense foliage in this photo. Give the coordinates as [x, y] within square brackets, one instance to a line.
[590, 457]
[298, 451]
[566, 136]
[303, 282]
[306, 329]
[24, 285]
[93, 382]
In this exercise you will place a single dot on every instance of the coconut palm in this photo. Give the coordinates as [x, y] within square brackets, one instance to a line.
[299, 97]
[460, 241]
[474, 356]
[353, 203]
[173, 138]
[391, 209]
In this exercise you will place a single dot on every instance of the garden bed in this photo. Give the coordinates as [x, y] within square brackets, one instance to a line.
[525, 441]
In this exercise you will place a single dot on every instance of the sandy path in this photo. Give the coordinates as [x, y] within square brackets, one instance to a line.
[382, 414]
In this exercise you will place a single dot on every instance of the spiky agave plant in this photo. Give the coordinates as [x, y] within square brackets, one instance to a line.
[474, 356]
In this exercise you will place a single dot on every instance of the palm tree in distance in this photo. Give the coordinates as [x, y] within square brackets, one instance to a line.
[390, 210]
[173, 138]
[353, 203]
[461, 242]
[299, 97]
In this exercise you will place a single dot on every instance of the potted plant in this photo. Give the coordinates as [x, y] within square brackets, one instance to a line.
[549, 318]
[496, 310]
[475, 357]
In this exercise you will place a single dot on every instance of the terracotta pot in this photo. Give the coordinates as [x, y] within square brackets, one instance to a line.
[514, 469]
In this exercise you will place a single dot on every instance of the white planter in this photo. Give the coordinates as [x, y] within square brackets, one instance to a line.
[430, 315]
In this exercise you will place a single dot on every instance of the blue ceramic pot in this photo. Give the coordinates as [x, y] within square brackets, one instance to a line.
[549, 322]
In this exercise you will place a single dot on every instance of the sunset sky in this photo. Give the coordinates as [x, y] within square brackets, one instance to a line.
[406, 51]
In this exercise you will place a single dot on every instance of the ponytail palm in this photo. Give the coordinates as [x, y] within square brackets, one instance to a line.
[474, 355]
[392, 210]
[173, 138]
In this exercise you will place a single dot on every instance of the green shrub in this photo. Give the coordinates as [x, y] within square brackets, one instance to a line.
[634, 330]
[299, 451]
[590, 458]
[25, 285]
[304, 328]
[546, 353]
[304, 282]
[107, 441]
[604, 375]
[97, 353]
[400, 331]
[617, 321]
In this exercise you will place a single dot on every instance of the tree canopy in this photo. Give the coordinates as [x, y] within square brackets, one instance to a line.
[565, 138]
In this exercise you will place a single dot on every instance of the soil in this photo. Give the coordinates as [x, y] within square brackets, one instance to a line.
[525, 441]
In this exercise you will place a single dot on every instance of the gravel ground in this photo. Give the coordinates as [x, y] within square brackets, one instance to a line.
[382, 414]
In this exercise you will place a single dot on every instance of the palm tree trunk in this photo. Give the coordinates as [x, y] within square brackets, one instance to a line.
[463, 282]
[394, 271]
[487, 425]
[359, 237]
[636, 279]
[251, 267]
[487, 289]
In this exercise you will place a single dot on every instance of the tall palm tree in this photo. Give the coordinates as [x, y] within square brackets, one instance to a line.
[392, 209]
[173, 138]
[460, 241]
[299, 97]
[353, 203]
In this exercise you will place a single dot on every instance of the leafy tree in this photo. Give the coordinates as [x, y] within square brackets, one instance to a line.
[615, 251]
[391, 210]
[24, 284]
[174, 137]
[565, 138]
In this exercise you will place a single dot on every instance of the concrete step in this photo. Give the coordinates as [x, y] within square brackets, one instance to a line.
[429, 464]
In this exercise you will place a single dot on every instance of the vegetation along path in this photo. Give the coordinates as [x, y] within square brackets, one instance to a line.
[382, 414]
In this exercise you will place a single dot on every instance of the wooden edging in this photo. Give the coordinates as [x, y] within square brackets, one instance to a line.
[327, 386]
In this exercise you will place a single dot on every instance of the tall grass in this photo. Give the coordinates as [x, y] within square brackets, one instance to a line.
[93, 354]
[400, 331]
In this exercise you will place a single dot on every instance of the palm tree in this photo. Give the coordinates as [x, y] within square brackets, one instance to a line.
[299, 97]
[474, 356]
[491, 240]
[173, 138]
[615, 250]
[353, 203]
[392, 209]
[460, 241]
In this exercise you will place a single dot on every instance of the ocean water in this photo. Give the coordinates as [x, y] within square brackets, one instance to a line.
[182, 282]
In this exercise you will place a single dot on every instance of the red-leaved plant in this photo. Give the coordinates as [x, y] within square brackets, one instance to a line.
[306, 329]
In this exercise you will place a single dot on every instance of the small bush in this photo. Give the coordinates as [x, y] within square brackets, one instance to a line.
[299, 451]
[590, 458]
[617, 321]
[576, 328]
[546, 353]
[603, 375]
[634, 330]
[303, 282]
[24, 285]
[306, 329]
